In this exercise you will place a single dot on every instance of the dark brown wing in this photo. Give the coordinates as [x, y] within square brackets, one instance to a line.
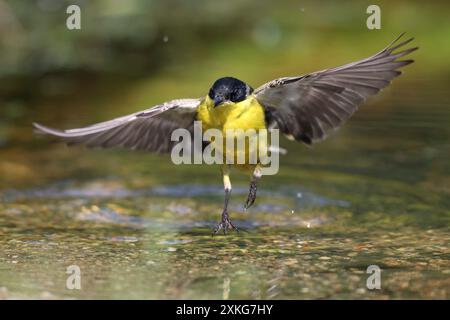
[148, 130]
[309, 107]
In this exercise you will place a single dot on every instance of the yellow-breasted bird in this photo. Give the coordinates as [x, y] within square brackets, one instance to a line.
[306, 108]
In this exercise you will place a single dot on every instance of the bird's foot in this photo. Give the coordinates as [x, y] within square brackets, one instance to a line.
[251, 195]
[225, 224]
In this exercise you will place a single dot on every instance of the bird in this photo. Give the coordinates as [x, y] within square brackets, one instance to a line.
[306, 108]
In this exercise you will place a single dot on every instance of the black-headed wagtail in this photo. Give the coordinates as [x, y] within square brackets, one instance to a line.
[305, 108]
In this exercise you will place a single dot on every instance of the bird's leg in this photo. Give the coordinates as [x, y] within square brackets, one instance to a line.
[252, 191]
[225, 223]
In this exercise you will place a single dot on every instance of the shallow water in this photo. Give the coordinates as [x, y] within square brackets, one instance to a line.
[376, 193]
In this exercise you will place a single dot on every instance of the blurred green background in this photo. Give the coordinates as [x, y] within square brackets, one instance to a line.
[167, 49]
[131, 55]
[375, 193]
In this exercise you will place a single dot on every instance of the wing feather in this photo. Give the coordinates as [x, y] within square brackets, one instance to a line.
[311, 106]
[148, 130]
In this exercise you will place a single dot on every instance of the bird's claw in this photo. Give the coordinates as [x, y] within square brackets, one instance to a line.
[225, 224]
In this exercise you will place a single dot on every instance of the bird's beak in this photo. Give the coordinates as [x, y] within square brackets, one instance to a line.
[218, 100]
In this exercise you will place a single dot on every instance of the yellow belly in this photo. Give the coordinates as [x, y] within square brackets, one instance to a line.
[244, 115]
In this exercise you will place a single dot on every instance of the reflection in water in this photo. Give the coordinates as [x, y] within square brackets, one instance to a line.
[226, 288]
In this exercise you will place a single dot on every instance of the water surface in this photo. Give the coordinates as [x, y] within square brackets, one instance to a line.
[376, 193]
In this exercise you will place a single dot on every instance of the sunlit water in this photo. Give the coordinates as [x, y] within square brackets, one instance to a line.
[376, 193]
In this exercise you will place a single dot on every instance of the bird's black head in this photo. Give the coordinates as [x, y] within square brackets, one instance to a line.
[229, 89]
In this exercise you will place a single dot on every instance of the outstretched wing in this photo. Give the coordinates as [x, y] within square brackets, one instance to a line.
[148, 130]
[309, 107]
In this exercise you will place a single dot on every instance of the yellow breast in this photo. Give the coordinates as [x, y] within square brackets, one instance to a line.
[244, 115]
